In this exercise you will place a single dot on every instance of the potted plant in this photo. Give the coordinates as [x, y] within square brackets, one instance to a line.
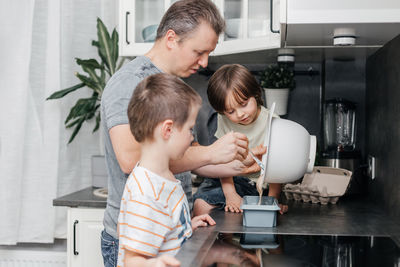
[277, 81]
[95, 78]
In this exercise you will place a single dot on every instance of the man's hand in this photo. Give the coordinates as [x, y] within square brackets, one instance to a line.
[249, 165]
[229, 147]
[233, 202]
[202, 220]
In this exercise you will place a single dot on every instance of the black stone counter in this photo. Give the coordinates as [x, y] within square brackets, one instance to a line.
[349, 216]
[82, 198]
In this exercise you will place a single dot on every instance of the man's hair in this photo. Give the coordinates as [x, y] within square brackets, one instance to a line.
[157, 98]
[183, 17]
[235, 78]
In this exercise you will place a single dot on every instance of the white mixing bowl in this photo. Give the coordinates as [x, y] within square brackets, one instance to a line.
[291, 152]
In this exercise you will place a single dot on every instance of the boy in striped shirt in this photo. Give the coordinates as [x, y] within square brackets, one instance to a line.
[154, 217]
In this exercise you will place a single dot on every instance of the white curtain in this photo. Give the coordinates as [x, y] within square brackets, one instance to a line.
[39, 42]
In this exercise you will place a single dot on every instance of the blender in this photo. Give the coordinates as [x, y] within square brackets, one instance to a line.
[339, 129]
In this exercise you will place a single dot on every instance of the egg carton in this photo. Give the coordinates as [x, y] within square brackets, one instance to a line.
[306, 194]
[324, 185]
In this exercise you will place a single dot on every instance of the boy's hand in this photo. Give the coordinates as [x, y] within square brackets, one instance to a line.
[229, 147]
[284, 208]
[163, 261]
[202, 220]
[233, 202]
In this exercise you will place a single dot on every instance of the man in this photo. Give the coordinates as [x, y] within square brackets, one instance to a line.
[187, 34]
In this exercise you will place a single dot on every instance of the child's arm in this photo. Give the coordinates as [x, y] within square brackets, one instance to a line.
[232, 198]
[275, 191]
[134, 259]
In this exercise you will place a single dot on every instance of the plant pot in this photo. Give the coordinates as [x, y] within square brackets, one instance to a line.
[279, 96]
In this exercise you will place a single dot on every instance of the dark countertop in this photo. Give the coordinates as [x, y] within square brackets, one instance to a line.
[350, 216]
[81, 198]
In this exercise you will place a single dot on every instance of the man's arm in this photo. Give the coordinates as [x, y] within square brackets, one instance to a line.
[233, 168]
[232, 146]
[126, 148]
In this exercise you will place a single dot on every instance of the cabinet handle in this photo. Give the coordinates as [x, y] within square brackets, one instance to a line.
[271, 21]
[126, 27]
[75, 223]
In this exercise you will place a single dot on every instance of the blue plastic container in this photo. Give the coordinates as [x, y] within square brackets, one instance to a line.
[263, 215]
[250, 241]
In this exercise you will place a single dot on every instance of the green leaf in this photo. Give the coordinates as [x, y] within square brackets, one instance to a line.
[95, 43]
[277, 76]
[63, 92]
[114, 38]
[95, 78]
[76, 130]
[89, 63]
[97, 120]
[89, 82]
[82, 107]
[105, 46]
[121, 63]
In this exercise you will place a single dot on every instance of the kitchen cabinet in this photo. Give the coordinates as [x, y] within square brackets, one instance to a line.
[247, 25]
[83, 241]
[311, 23]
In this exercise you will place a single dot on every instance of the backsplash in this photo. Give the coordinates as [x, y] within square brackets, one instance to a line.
[342, 79]
[303, 106]
[383, 125]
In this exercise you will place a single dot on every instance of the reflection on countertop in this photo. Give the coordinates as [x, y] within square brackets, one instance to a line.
[351, 216]
[249, 249]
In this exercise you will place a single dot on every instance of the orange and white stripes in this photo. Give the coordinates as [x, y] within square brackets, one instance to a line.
[154, 216]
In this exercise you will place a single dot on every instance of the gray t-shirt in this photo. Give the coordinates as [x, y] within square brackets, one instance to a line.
[114, 106]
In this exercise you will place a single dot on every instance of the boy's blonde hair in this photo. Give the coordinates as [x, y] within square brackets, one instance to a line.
[183, 17]
[157, 98]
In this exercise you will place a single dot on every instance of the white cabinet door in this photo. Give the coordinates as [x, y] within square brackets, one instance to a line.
[312, 23]
[83, 243]
[248, 25]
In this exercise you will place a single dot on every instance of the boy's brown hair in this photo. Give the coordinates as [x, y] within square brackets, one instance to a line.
[235, 78]
[157, 98]
[184, 16]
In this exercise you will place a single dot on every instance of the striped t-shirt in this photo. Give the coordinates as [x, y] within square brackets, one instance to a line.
[154, 216]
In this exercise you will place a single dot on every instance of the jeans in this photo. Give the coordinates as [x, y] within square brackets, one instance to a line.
[210, 190]
[109, 249]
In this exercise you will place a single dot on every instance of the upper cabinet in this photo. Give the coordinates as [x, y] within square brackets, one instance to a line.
[316, 23]
[248, 25]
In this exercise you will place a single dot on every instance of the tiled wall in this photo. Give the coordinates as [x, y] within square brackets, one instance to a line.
[383, 124]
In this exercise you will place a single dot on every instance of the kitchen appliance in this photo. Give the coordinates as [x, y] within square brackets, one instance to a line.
[339, 129]
[267, 249]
